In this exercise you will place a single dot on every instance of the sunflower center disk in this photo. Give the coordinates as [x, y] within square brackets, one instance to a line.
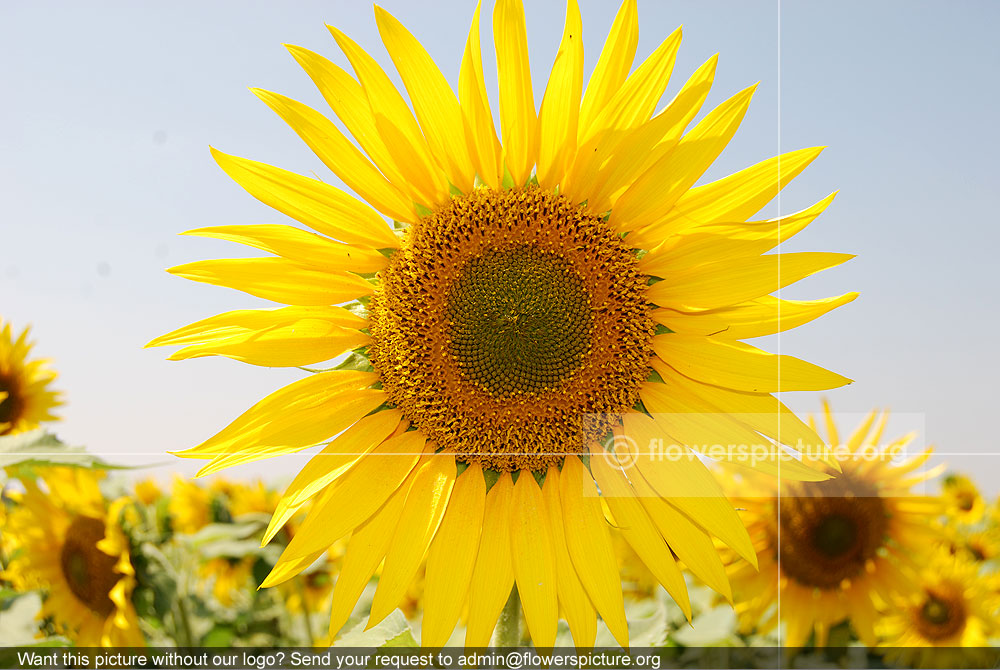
[830, 534]
[10, 405]
[511, 328]
[520, 321]
[89, 572]
[941, 615]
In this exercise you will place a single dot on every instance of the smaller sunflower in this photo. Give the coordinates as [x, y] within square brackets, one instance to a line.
[950, 610]
[147, 491]
[70, 543]
[311, 591]
[25, 397]
[964, 504]
[834, 550]
[228, 576]
[190, 506]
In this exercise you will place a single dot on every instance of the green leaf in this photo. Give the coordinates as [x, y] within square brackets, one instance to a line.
[38, 448]
[392, 632]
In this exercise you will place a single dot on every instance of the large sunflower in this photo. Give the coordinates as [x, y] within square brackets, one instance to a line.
[532, 293]
[25, 397]
[946, 622]
[836, 550]
[69, 541]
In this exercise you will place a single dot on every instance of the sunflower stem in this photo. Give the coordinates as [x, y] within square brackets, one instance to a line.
[185, 621]
[508, 630]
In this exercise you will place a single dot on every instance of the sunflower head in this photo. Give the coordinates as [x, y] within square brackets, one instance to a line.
[509, 303]
[26, 399]
[965, 505]
[71, 544]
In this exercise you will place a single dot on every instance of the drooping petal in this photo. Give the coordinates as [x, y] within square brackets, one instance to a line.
[322, 207]
[589, 546]
[518, 123]
[427, 498]
[493, 576]
[452, 557]
[534, 560]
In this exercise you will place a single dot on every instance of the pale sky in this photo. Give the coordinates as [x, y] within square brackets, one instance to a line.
[110, 108]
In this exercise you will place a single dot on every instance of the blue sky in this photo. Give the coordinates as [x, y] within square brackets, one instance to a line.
[110, 109]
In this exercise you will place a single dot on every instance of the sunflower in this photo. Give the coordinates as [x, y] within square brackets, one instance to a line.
[964, 503]
[25, 397]
[534, 296]
[190, 506]
[227, 576]
[310, 591]
[835, 550]
[147, 491]
[949, 610]
[70, 542]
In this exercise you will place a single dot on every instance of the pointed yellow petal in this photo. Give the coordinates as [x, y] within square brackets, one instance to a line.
[766, 315]
[434, 102]
[740, 195]
[589, 545]
[612, 67]
[725, 283]
[573, 599]
[557, 119]
[452, 557]
[396, 125]
[285, 570]
[493, 575]
[339, 154]
[297, 411]
[831, 425]
[277, 279]
[683, 480]
[659, 188]
[730, 241]
[365, 550]
[322, 207]
[534, 560]
[430, 488]
[639, 148]
[350, 103]
[484, 145]
[636, 527]
[739, 366]
[518, 123]
[350, 500]
[299, 245]
[332, 462]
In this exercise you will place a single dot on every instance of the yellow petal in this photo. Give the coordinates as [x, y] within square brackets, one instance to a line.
[697, 425]
[612, 67]
[573, 599]
[518, 123]
[637, 529]
[300, 246]
[738, 196]
[483, 143]
[687, 540]
[396, 125]
[659, 188]
[639, 148]
[350, 103]
[739, 366]
[296, 410]
[493, 575]
[557, 119]
[430, 487]
[685, 482]
[322, 207]
[725, 283]
[766, 315]
[277, 279]
[365, 550]
[350, 500]
[534, 560]
[285, 570]
[339, 154]
[452, 557]
[332, 462]
[434, 102]
[730, 241]
[589, 546]
[290, 336]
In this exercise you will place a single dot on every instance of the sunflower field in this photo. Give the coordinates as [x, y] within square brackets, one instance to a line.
[526, 413]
